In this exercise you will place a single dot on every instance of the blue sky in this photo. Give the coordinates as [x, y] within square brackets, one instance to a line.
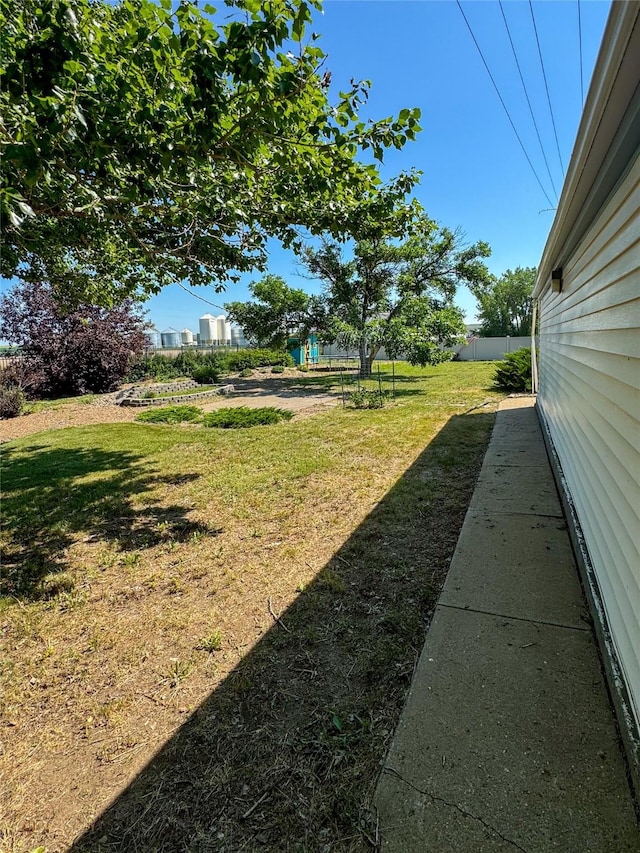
[475, 175]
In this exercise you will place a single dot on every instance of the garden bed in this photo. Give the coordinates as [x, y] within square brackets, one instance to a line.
[167, 392]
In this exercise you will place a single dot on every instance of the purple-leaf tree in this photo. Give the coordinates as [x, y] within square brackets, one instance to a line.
[67, 352]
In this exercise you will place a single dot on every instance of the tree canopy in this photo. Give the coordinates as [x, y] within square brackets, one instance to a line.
[276, 311]
[144, 144]
[505, 306]
[398, 294]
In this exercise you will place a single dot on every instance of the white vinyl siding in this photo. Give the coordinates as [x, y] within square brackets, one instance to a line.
[589, 396]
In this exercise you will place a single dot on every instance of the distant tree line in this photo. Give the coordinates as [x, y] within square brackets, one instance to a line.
[505, 306]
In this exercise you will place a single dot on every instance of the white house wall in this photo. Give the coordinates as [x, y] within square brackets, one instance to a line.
[589, 396]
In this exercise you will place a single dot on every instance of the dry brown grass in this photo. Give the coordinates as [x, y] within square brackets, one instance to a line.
[207, 639]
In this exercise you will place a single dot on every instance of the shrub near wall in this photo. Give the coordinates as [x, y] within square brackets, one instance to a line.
[514, 373]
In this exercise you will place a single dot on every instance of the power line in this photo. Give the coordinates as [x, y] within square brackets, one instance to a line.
[495, 86]
[526, 94]
[553, 122]
[580, 47]
[195, 296]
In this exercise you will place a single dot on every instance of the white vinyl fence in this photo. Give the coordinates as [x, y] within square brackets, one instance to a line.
[480, 349]
[490, 349]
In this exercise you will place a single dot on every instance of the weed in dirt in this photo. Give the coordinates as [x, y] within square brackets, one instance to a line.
[178, 671]
[211, 643]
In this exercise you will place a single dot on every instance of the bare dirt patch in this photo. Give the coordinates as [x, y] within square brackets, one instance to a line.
[257, 391]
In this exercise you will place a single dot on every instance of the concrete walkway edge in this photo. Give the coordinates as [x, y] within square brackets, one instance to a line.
[507, 740]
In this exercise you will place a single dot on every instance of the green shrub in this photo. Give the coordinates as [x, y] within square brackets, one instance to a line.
[242, 416]
[205, 373]
[368, 399]
[155, 366]
[171, 415]
[304, 368]
[205, 367]
[514, 373]
[278, 368]
[234, 361]
[11, 401]
[246, 373]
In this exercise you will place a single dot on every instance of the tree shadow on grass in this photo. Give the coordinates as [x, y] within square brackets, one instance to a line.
[50, 496]
[285, 753]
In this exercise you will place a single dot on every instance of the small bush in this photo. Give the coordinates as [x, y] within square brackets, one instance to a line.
[205, 373]
[278, 368]
[246, 373]
[236, 360]
[11, 401]
[157, 367]
[368, 399]
[514, 373]
[303, 368]
[242, 416]
[171, 415]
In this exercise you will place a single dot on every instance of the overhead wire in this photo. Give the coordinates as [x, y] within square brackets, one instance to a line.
[195, 296]
[546, 86]
[526, 94]
[495, 86]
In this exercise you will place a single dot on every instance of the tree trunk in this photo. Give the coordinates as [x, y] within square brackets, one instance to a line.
[365, 364]
[366, 360]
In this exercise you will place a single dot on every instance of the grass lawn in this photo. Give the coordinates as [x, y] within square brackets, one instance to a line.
[214, 630]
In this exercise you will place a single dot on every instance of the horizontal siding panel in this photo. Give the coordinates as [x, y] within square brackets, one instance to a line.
[589, 395]
[624, 266]
[620, 342]
[595, 453]
[625, 370]
[591, 382]
[600, 465]
[622, 230]
[619, 291]
[610, 223]
[618, 255]
[614, 317]
[620, 590]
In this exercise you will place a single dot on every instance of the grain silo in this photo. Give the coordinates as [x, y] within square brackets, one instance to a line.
[221, 323]
[208, 329]
[153, 337]
[237, 337]
[171, 338]
[187, 337]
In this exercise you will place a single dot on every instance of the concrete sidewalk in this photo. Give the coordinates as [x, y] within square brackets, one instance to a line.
[507, 741]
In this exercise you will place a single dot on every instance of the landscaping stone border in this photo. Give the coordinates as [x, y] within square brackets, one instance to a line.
[135, 396]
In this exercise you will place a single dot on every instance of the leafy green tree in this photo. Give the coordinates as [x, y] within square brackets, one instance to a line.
[505, 306]
[276, 311]
[149, 142]
[398, 295]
